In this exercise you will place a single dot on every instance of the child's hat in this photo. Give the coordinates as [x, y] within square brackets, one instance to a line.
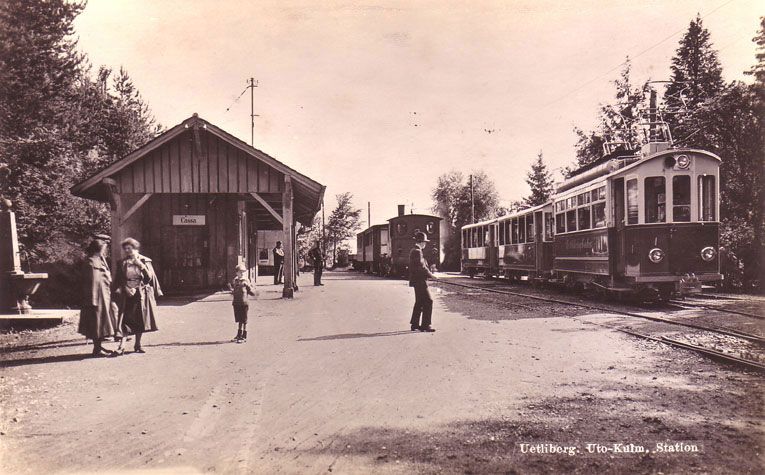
[241, 268]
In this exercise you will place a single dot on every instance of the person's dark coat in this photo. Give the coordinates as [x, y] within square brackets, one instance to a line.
[145, 311]
[419, 270]
[96, 318]
[317, 258]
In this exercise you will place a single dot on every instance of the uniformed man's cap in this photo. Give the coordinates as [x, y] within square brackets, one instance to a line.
[420, 236]
[102, 237]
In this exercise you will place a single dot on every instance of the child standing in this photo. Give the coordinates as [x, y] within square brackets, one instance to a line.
[241, 289]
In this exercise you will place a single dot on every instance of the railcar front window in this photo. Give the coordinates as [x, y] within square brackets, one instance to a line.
[560, 223]
[599, 215]
[571, 220]
[681, 198]
[655, 199]
[707, 193]
[584, 217]
[632, 201]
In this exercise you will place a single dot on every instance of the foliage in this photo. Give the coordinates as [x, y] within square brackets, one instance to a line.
[342, 224]
[696, 78]
[540, 182]
[57, 125]
[617, 120]
[451, 198]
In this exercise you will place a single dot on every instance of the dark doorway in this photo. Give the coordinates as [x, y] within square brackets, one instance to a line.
[184, 257]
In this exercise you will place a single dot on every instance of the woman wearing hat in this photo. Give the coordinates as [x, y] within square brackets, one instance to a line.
[97, 321]
[137, 288]
[419, 273]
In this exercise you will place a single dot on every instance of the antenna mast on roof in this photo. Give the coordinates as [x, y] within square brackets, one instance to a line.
[252, 85]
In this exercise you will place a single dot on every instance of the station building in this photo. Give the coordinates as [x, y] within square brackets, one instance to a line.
[198, 198]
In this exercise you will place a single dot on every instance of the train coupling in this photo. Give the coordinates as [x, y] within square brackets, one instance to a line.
[689, 284]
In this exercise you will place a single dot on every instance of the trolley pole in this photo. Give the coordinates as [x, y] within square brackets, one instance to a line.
[369, 213]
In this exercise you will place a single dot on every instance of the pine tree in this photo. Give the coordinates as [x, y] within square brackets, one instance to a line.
[540, 181]
[696, 78]
[617, 120]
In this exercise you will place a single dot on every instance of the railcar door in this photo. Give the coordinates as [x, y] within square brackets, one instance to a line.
[616, 233]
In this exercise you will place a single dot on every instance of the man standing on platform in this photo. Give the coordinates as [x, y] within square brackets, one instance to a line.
[317, 260]
[278, 263]
[419, 273]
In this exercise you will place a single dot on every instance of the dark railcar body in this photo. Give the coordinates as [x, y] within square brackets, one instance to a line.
[402, 229]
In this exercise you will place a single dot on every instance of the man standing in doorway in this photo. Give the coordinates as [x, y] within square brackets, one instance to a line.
[317, 260]
[278, 263]
[419, 273]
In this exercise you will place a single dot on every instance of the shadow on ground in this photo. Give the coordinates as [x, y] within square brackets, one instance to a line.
[350, 336]
[726, 445]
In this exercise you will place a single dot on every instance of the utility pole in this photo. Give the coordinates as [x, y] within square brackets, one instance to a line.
[369, 213]
[472, 201]
[253, 84]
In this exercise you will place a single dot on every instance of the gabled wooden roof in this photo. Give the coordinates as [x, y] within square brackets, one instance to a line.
[172, 164]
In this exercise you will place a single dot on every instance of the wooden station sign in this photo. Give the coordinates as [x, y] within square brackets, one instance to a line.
[188, 220]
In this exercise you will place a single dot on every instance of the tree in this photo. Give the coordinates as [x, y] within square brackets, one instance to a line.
[696, 78]
[343, 222]
[617, 120]
[540, 182]
[452, 202]
[57, 125]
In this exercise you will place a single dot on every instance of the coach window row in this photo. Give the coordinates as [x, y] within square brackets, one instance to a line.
[474, 237]
[581, 212]
[516, 230]
[656, 202]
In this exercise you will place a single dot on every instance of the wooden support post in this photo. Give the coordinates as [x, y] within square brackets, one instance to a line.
[115, 204]
[241, 245]
[288, 227]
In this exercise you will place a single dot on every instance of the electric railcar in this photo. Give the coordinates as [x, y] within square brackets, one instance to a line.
[645, 223]
[383, 249]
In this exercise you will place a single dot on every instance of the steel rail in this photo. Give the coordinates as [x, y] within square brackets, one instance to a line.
[706, 351]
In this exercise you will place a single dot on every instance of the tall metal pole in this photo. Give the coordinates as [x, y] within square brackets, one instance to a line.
[369, 213]
[252, 112]
[472, 201]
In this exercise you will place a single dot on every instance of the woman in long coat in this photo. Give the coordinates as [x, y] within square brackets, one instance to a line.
[97, 321]
[137, 289]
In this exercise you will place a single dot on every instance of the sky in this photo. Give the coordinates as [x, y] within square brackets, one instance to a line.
[380, 98]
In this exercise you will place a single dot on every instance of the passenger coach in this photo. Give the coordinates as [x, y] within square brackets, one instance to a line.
[640, 223]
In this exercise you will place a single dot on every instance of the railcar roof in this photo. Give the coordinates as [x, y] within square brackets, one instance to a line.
[669, 151]
[482, 223]
[523, 212]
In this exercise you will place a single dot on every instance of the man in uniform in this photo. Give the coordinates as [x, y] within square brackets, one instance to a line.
[317, 260]
[278, 263]
[419, 273]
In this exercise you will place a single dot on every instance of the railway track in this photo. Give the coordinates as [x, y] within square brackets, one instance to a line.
[709, 352]
[687, 304]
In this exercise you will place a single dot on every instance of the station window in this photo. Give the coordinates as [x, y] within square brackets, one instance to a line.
[571, 220]
[530, 228]
[549, 223]
[681, 198]
[584, 217]
[707, 194]
[560, 223]
[632, 201]
[521, 230]
[599, 215]
[655, 199]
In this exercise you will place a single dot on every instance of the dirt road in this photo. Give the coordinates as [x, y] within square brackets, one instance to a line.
[333, 381]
